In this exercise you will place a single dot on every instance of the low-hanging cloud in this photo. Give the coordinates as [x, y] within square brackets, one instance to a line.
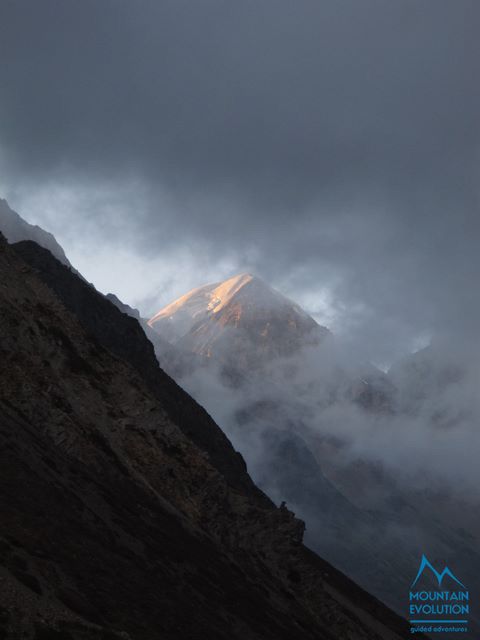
[376, 483]
[334, 144]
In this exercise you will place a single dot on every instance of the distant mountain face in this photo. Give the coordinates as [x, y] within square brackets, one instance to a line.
[15, 228]
[241, 322]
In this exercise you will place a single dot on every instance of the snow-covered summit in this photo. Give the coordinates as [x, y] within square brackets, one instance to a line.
[213, 298]
[242, 317]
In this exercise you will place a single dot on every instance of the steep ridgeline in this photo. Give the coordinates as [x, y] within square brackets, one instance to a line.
[115, 522]
[15, 228]
[124, 308]
[173, 360]
[123, 336]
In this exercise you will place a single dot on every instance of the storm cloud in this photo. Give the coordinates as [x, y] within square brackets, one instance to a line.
[331, 147]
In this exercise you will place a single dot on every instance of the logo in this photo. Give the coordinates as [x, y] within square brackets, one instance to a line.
[425, 564]
[438, 611]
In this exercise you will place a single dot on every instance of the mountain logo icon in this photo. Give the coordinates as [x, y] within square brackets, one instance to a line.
[425, 564]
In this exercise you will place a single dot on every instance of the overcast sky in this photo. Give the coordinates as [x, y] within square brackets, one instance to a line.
[330, 146]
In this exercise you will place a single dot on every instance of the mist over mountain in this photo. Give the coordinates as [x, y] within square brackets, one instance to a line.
[245, 287]
[369, 460]
[277, 204]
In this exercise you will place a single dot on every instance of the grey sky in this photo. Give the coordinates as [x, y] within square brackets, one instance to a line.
[333, 147]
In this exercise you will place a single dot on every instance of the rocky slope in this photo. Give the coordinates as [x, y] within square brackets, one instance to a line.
[126, 513]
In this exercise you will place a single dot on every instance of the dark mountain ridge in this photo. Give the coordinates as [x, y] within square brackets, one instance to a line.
[124, 337]
[126, 513]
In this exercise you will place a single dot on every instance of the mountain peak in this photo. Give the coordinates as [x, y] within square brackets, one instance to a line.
[225, 291]
[243, 289]
[243, 277]
[241, 318]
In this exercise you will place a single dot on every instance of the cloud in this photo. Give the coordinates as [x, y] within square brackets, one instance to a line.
[332, 146]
